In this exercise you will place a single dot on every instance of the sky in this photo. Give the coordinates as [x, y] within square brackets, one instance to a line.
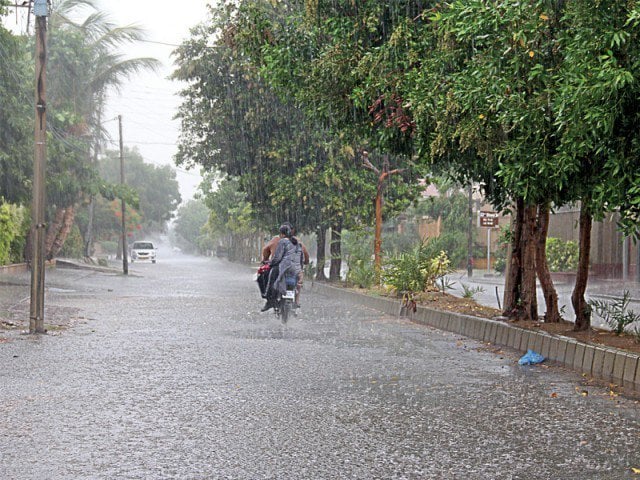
[148, 101]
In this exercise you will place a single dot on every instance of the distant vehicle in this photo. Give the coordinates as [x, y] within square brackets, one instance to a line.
[143, 250]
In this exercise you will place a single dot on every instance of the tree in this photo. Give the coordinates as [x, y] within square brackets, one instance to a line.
[16, 131]
[484, 108]
[311, 52]
[156, 187]
[191, 220]
[598, 120]
[84, 56]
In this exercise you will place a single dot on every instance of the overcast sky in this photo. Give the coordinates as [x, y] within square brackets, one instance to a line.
[149, 102]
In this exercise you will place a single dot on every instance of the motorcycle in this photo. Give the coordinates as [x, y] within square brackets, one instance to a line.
[285, 303]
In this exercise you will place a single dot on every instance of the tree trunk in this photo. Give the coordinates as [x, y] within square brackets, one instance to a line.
[552, 315]
[54, 229]
[377, 240]
[336, 254]
[321, 239]
[581, 307]
[63, 233]
[528, 296]
[520, 301]
[513, 280]
[88, 237]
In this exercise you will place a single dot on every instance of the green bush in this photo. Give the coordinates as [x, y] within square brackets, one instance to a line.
[109, 247]
[562, 256]
[500, 255]
[616, 313]
[357, 250]
[416, 271]
[11, 229]
[361, 274]
[73, 245]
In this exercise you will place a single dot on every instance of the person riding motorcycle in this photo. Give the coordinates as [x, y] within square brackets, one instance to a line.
[268, 252]
[287, 260]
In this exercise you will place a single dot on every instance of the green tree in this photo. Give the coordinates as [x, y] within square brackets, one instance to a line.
[84, 62]
[16, 130]
[275, 44]
[190, 221]
[156, 187]
[598, 120]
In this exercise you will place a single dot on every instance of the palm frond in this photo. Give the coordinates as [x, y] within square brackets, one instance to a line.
[118, 36]
[118, 69]
[63, 7]
[97, 24]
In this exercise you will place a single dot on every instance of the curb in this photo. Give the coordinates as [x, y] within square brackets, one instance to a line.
[608, 364]
[16, 268]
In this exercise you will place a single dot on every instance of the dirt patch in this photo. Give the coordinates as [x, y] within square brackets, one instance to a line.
[16, 318]
[450, 303]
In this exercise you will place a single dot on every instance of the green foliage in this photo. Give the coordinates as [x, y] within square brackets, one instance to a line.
[73, 246]
[109, 247]
[500, 255]
[451, 208]
[11, 222]
[156, 188]
[282, 115]
[357, 248]
[562, 256]
[189, 226]
[471, 292]
[416, 271]
[615, 313]
[16, 120]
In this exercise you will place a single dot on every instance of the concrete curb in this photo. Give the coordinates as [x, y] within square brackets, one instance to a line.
[13, 268]
[611, 365]
[16, 268]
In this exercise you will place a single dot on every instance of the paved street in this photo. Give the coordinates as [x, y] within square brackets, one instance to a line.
[172, 373]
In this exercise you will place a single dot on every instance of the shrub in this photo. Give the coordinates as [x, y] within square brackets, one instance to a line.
[562, 256]
[500, 255]
[11, 228]
[73, 245]
[109, 247]
[416, 271]
[357, 249]
[615, 313]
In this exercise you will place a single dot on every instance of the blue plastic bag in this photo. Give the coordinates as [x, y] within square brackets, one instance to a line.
[531, 358]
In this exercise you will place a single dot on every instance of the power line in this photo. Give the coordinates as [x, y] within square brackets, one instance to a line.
[159, 43]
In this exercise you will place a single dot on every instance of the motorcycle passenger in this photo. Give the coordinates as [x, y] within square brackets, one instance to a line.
[268, 252]
[288, 257]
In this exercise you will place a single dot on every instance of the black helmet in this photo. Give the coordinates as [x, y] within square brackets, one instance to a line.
[285, 230]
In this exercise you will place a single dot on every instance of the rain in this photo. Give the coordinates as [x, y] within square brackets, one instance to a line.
[437, 185]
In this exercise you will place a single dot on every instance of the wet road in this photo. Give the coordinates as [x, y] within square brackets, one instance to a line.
[172, 373]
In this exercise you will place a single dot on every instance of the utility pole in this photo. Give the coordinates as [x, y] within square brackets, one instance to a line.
[125, 264]
[36, 316]
[470, 234]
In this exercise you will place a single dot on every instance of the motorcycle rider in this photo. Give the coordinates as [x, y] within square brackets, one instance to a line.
[268, 252]
[287, 259]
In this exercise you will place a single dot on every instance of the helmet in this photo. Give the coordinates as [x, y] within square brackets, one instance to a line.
[285, 230]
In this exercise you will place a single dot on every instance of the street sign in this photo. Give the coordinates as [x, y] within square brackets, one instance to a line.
[489, 219]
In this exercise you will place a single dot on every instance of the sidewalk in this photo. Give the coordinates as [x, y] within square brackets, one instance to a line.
[492, 293]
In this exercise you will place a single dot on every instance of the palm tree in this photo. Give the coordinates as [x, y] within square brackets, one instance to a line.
[85, 64]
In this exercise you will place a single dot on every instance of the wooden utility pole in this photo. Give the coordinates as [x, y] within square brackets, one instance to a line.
[382, 177]
[38, 226]
[470, 234]
[125, 263]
